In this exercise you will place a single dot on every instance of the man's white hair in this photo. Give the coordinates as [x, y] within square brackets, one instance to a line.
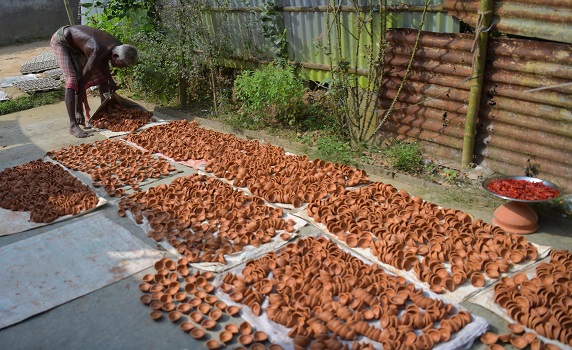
[126, 53]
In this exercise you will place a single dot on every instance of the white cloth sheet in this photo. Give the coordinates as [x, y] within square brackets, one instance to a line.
[50, 269]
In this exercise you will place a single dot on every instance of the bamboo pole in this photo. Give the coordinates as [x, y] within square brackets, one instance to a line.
[69, 12]
[480, 52]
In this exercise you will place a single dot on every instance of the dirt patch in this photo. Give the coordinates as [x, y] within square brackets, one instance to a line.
[14, 56]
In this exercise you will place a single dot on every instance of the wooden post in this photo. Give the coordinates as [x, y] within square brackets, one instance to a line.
[481, 40]
[69, 12]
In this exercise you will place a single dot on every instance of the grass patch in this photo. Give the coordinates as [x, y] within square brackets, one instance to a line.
[404, 156]
[335, 150]
[34, 100]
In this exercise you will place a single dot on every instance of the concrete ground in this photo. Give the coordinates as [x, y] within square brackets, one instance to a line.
[113, 317]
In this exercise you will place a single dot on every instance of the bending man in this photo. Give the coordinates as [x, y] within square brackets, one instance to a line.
[84, 54]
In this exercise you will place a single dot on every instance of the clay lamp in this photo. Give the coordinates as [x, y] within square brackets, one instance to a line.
[257, 346]
[148, 278]
[180, 296]
[204, 308]
[275, 347]
[516, 328]
[215, 314]
[245, 339]
[146, 299]
[187, 326]
[156, 314]
[156, 305]
[213, 344]
[518, 341]
[489, 338]
[197, 333]
[170, 306]
[232, 328]
[516, 216]
[225, 336]
[184, 308]
[208, 324]
[245, 328]
[174, 316]
[196, 316]
[208, 288]
[220, 305]
[260, 336]
[194, 302]
[232, 310]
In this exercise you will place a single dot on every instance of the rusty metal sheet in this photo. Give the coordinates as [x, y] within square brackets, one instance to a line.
[517, 129]
[551, 20]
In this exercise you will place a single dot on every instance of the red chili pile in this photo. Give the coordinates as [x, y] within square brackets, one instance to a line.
[522, 189]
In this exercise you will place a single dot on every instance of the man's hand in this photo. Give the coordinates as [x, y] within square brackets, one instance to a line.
[112, 87]
[79, 118]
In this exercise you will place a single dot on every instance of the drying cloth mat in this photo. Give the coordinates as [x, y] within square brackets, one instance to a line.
[40, 63]
[278, 334]
[249, 252]
[19, 221]
[486, 299]
[460, 294]
[60, 265]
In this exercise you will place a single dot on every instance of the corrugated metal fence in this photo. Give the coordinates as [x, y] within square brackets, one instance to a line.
[518, 131]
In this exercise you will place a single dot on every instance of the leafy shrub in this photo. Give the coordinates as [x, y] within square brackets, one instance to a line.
[272, 92]
[404, 156]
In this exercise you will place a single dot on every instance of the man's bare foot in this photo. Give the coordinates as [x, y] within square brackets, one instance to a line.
[76, 131]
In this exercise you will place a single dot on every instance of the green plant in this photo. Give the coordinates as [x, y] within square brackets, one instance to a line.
[404, 156]
[31, 101]
[450, 175]
[272, 29]
[356, 49]
[271, 93]
[335, 150]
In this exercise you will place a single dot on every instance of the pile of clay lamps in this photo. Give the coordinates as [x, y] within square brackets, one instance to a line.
[266, 170]
[44, 189]
[181, 140]
[188, 300]
[279, 178]
[518, 338]
[117, 118]
[322, 293]
[206, 219]
[544, 302]
[409, 233]
[112, 164]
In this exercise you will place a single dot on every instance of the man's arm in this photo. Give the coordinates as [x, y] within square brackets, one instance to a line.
[107, 72]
